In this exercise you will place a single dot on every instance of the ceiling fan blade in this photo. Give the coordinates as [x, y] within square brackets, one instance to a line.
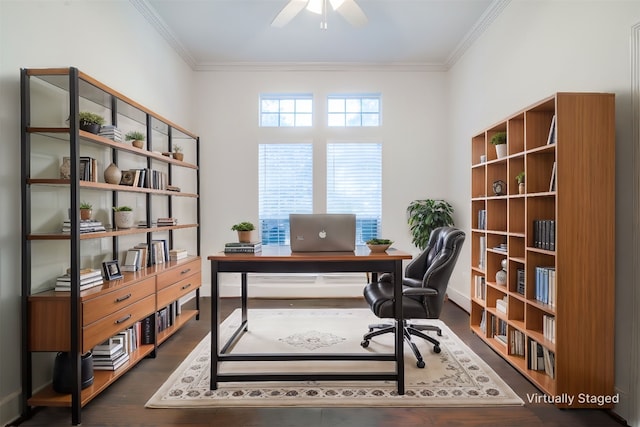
[350, 11]
[288, 13]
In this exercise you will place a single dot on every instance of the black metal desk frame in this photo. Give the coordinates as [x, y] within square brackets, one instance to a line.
[288, 264]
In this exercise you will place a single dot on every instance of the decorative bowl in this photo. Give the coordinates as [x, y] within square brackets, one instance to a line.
[378, 248]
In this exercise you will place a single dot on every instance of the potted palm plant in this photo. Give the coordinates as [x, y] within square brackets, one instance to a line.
[90, 122]
[499, 140]
[244, 230]
[425, 216]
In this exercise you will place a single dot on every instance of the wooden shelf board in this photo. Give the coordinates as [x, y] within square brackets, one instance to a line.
[102, 379]
[109, 233]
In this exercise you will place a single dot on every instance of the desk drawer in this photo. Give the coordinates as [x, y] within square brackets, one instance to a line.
[97, 308]
[171, 293]
[178, 273]
[99, 331]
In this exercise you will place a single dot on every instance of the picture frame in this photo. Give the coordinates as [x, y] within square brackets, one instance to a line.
[111, 270]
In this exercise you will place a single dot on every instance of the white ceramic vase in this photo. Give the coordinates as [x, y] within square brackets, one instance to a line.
[501, 150]
[123, 219]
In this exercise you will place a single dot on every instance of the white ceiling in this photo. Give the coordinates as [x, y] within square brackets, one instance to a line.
[425, 33]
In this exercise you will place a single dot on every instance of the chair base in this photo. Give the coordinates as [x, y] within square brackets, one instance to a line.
[408, 330]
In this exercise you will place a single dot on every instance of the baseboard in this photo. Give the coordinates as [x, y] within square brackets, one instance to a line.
[10, 408]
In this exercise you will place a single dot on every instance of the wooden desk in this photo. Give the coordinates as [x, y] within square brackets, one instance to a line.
[280, 259]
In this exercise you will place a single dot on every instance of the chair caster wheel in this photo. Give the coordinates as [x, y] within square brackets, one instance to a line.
[420, 364]
[439, 333]
[436, 349]
[365, 343]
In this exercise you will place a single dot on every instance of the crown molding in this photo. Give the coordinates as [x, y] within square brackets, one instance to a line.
[149, 13]
[487, 18]
[318, 66]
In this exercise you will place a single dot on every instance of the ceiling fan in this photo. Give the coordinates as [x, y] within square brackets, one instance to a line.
[348, 9]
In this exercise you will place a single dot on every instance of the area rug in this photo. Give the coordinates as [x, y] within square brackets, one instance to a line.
[455, 377]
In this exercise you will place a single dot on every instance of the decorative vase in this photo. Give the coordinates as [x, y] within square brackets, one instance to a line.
[85, 214]
[62, 373]
[501, 275]
[137, 143]
[112, 174]
[244, 236]
[501, 150]
[521, 188]
[178, 156]
[65, 168]
[123, 219]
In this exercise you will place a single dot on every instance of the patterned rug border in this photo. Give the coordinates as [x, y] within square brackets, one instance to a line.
[185, 386]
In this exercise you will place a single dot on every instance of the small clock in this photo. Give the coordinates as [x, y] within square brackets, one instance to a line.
[499, 187]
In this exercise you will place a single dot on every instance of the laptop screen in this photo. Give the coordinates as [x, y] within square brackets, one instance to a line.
[322, 232]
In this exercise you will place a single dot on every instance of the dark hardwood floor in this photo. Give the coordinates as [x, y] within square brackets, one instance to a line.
[122, 404]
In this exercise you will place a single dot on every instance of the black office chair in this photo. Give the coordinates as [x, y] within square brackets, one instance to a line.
[424, 288]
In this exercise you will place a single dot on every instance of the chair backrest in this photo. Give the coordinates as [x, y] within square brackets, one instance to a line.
[433, 267]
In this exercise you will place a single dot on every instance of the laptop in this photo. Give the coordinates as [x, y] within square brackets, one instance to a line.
[322, 232]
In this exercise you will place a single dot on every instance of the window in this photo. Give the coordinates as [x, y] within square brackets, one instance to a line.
[353, 110]
[285, 186]
[354, 185]
[286, 110]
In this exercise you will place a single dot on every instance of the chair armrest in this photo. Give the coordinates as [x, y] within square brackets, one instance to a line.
[415, 292]
[414, 283]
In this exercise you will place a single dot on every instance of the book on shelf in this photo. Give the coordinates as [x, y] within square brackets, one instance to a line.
[178, 254]
[482, 247]
[551, 139]
[482, 219]
[85, 226]
[164, 222]
[131, 260]
[66, 286]
[110, 364]
[109, 348]
[552, 181]
[88, 279]
[480, 287]
[502, 305]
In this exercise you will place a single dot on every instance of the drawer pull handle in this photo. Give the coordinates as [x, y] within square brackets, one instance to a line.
[185, 271]
[124, 298]
[188, 285]
[124, 319]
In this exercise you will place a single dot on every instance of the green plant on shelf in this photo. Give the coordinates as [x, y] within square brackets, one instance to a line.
[134, 135]
[122, 209]
[86, 205]
[91, 118]
[499, 138]
[243, 226]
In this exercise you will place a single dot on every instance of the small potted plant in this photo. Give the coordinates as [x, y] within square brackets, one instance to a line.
[123, 217]
[520, 181]
[177, 152]
[90, 122]
[499, 140]
[378, 245]
[425, 216]
[85, 210]
[136, 138]
[244, 230]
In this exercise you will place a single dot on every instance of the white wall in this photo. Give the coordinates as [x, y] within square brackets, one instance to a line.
[415, 144]
[533, 49]
[111, 42]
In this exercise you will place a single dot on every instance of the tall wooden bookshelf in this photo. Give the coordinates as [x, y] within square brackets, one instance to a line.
[77, 320]
[558, 239]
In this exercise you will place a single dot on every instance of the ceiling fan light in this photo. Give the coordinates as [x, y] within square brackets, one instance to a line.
[315, 6]
[335, 4]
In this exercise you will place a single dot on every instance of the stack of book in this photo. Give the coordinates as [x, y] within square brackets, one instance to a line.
[241, 247]
[111, 132]
[86, 226]
[88, 279]
[110, 355]
[164, 222]
[132, 260]
[177, 254]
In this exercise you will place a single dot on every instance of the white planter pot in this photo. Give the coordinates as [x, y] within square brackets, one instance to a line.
[123, 219]
[501, 150]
